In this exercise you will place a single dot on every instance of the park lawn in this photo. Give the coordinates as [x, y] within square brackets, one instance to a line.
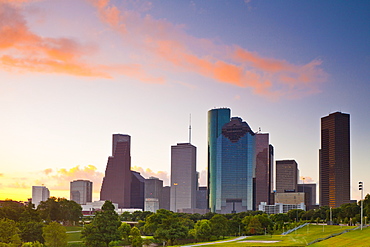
[352, 238]
[73, 233]
[299, 238]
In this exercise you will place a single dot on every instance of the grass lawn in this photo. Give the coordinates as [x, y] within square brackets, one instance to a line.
[352, 238]
[75, 233]
[297, 238]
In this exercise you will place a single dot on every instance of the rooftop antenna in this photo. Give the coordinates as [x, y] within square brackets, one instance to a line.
[190, 129]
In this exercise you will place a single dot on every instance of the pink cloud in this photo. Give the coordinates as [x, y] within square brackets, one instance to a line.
[22, 50]
[173, 49]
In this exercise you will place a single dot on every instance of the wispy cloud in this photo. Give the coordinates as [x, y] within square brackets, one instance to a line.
[146, 173]
[176, 50]
[21, 49]
[157, 47]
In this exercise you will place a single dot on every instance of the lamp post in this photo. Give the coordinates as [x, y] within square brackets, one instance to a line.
[360, 187]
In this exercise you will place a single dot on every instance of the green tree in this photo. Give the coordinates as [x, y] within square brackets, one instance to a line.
[31, 231]
[165, 225]
[219, 225]
[11, 210]
[124, 230]
[71, 211]
[50, 210]
[203, 230]
[295, 214]
[9, 232]
[32, 244]
[55, 235]
[254, 226]
[135, 237]
[104, 228]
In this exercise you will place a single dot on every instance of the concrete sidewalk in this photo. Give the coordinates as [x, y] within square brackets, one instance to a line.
[218, 242]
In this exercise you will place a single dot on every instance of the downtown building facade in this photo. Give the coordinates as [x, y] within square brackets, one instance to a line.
[334, 160]
[81, 191]
[231, 163]
[120, 184]
[39, 194]
[287, 175]
[264, 175]
[183, 177]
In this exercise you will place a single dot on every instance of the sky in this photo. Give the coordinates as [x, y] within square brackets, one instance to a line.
[74, 72]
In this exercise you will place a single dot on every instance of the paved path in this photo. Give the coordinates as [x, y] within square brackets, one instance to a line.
[218, 242]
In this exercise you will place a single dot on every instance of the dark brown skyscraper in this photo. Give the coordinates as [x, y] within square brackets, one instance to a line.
[286, 176]
[334, 164]
[264, 170]
[116, 185]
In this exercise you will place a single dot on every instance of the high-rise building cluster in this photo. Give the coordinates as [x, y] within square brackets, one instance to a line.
[242, 173]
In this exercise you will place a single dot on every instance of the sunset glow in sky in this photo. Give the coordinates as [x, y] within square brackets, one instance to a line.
[74, 72]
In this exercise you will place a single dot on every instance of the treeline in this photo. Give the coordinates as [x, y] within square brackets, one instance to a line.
[20, 224]
[26, 226]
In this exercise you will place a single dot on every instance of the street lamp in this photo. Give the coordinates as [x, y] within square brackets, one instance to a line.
[365, 220]
[360, 187]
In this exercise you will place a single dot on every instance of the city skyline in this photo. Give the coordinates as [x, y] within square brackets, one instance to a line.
[72, 73]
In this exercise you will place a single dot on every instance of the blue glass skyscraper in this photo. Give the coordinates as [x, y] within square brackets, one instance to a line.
[231, 165]
[217, 118]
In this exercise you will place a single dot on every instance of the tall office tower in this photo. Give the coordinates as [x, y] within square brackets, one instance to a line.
[81, 191]
[153, 194]
[271, 160]
[116, 186]
[235, 166]
[334, 164]
[264, 170]
[39, 194]
[183, 176]
[286, 176]
[217, 118]
[137, 190]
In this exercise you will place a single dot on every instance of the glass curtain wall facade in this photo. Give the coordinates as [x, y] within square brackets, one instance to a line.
[235, 166]
[217, 118]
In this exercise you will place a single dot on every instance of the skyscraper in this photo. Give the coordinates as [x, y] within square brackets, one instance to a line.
[116, 186]
[39, 194]
[334, 164]
[81, 191]
[232, 176]
[137, 192]
[153, 194]
[217, 118]
[264, 170]
[183, 176]
[286, 176]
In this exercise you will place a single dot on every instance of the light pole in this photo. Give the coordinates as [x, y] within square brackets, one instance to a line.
[360, 187]
[365, 220]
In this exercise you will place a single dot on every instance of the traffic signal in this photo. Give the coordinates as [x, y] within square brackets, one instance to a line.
[359, 185]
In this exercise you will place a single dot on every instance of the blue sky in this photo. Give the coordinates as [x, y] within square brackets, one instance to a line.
[72, 73]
